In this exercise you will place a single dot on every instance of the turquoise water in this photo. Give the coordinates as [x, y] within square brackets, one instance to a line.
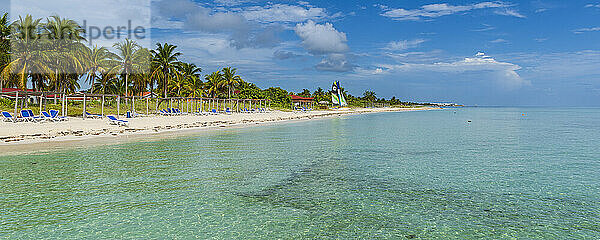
[418, 175]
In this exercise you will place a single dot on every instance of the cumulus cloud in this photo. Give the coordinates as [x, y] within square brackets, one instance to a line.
[283, 13]
[321, 38]
[335, 62]
[404, 44]
[504, 73]
[204, 20]
[242, 32]
[437, 10]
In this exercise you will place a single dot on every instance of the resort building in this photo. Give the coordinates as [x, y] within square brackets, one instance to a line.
[302, 102]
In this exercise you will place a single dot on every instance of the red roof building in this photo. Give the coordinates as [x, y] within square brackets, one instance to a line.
[301, 99]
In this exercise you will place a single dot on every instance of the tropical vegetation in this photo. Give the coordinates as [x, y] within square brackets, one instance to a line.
[52, 55]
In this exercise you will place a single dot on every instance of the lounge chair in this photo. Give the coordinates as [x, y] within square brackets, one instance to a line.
[9, 118]
[54, 115]
[93, 115]
[46, 116]
[26, 117]
[35, 118]
[228, 111]
[114, 121]
[200, 112]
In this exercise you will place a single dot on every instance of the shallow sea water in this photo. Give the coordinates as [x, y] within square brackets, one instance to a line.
[526, 173]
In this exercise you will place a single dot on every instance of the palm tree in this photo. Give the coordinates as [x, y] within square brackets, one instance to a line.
[213, 83]
[165, 63]
[98, 60]
[230, 80]
[105, 80]
[28, 55]
[132, 58]
[68, 52]
[4, 45]
[191, 76]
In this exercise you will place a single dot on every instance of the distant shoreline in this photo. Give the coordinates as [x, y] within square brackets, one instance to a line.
[35, 137]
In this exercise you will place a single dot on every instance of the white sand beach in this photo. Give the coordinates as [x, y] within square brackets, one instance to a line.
[12, 134]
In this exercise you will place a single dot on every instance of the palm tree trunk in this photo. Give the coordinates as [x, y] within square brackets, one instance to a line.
[126, 78]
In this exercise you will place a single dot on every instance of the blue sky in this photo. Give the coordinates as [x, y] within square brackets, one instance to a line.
[523, 53]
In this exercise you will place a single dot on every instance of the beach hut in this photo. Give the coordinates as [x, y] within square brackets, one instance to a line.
[302, 102]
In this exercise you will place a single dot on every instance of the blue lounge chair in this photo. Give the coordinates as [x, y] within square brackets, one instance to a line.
[46, 116]
[8, 117]
[114, 121]
[26, 117]
[35, 118]
[228, 111]
[54, 115]
[92, 115]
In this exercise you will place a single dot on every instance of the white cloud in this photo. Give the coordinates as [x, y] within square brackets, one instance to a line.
[283, 13]
[597, 5]
[335, 62]
[404, 44]
[231, 2]
[584, 30]
[509, 12]
[96, 14]
[321, 38]
[204, 20]
[505, 74]
[499, 40]
[437, 10]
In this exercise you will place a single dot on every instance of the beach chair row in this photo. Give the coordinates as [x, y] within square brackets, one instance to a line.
[28, 116]
[171, 112]
[302, 109]
[255, 110]
[228, 111]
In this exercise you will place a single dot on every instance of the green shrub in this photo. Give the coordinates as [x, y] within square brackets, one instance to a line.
[5, 102]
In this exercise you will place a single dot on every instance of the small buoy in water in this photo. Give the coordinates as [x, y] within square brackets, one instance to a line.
[469, 121]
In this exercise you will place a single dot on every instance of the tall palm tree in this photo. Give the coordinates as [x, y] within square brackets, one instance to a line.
[230, 80]
[68, 52]
[213, 83]
[191, 76]
[105, 80]
[4, 45]
[98, 60]
[165, 63]
[27, 54]
[132, 58]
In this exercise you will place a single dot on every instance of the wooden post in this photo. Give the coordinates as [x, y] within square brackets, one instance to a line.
[147, 107]
[102, 105]
[40, 113]
[16, 103]
[118, 106]
[84, 103]
[66, 105]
